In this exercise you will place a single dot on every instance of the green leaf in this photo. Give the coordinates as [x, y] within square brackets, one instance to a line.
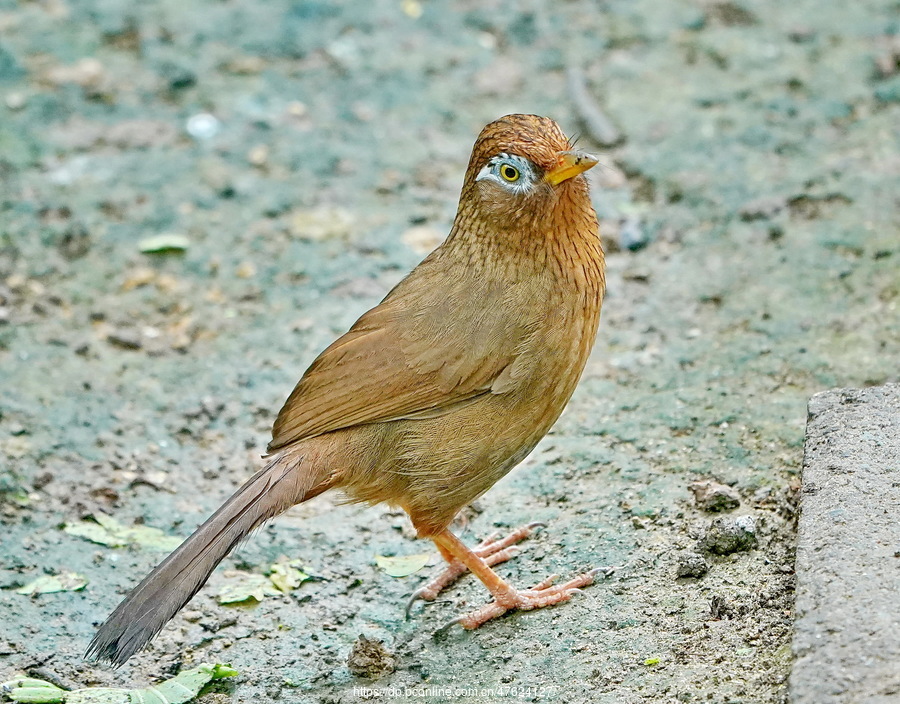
[160, 244]
[32, 691]
[250, 586]
[178, 690]
[402, 565]
[49, 584]
[287, 575]
[106, 530]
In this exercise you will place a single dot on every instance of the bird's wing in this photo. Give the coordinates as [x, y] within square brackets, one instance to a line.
[407, 358]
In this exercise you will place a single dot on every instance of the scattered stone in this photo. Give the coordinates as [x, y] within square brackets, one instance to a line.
[726, 535]
[731, 14]
[258, 155]
[140, 134]
[692, 564]
[81, 134]
[246, 65]
[721, 608]
[177, 75]
[640, 274]
[15, 101]
[346, 52]
[245, 270]
[764, 208]
[296, 109]
[809, 206]
[75, 242]
[715, 497]
[87, 73]
[15, 447]
[632, 236]
[370, 659]
[203, 126]
[126, 339]
[17, 429]
[320, 223]
[412, 8]
[887, 61]
[801, 33]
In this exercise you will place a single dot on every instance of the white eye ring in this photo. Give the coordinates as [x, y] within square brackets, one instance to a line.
[522, 177]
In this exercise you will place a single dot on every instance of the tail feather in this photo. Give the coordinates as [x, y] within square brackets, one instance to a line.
[143, 613]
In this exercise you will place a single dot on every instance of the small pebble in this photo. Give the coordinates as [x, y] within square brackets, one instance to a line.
[632, 236]
[370, 659]
[15, 101]
[692, 564]
[763, 208]
[203, 126]
[126, 339]
[258, 155]
[715, 497]
[297, 109]
[726, 535]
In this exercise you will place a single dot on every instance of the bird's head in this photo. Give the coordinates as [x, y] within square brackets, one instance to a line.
[521, 165]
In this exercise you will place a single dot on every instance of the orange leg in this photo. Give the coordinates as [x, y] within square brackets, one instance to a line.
[506, 597]
[491, 550]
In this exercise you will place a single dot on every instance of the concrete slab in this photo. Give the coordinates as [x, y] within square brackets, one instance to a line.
[847, 639]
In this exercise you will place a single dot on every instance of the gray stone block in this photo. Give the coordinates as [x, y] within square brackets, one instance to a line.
[847, 638]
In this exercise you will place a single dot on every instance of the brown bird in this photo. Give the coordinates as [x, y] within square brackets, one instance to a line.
[438, 391]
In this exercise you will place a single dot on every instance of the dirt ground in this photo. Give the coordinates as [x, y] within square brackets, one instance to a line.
[311, 153]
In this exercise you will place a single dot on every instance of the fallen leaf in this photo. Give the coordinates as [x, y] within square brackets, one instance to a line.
[250, 586]
[178, 690]
[50, 584]
[168, 242]
[402, 565]
[106, 530]
[288, 575]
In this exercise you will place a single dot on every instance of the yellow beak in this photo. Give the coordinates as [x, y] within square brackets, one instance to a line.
[570, 164]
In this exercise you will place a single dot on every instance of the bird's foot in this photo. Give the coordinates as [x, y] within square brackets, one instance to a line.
[493, 550]
[539, 596]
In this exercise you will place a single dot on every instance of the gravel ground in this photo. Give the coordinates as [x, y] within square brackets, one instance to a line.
[311, 153]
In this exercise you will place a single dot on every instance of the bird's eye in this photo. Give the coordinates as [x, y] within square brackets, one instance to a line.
[509, 173]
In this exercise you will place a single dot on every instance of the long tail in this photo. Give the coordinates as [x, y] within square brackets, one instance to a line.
[285, 481]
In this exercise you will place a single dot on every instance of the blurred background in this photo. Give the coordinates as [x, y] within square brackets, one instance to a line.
[196, 197]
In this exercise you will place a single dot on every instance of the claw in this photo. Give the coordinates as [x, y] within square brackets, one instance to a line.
[416, 595]
[490, 539]
[546, 583]
[442, 630]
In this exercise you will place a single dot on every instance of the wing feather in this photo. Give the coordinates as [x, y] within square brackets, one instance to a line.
[406, 358]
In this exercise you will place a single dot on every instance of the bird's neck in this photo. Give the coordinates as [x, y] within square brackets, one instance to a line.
[562, 240]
